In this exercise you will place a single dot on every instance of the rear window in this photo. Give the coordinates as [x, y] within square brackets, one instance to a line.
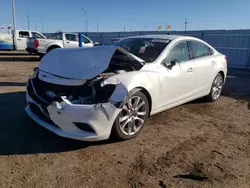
[147, 49]
[199, 49]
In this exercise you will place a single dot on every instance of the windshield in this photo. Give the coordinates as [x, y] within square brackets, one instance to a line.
[147, 49]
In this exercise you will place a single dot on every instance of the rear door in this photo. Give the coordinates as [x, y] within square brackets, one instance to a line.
[205, 66]
[71, 41]
[21, 39]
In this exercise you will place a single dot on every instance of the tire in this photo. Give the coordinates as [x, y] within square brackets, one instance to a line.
[52, 48]
[129, 117]
[216, 89]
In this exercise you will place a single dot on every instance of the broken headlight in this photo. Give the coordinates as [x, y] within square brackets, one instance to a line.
[102, 94]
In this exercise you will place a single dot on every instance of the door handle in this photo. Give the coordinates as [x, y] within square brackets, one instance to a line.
[213, 62]
[190, 70]
[19, 39]
[67, 42]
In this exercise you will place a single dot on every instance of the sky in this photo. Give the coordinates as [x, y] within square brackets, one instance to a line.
[133, 15]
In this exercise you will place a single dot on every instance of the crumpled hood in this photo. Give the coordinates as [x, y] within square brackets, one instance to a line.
[80, 63]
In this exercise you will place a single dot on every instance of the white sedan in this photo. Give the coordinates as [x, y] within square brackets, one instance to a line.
[109, 91]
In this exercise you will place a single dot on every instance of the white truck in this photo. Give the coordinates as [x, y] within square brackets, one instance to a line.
[58, 40]
[17, 40]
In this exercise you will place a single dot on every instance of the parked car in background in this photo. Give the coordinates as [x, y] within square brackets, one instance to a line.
[17, 40]
[115, 40]
[94, 93]
[30, 48]
[58, 40]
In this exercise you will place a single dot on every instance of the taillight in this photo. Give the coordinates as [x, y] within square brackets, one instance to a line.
[36, 42]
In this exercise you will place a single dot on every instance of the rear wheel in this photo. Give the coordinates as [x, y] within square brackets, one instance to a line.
[216, 88]
[132, 118]
[52, 48]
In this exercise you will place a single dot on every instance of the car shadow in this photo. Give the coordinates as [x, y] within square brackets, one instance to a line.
[237, 85]
[20, 135]
[13, 83]
[11, 52]
[19, 59]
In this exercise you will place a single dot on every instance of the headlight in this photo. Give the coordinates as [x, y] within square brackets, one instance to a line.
[110, 81]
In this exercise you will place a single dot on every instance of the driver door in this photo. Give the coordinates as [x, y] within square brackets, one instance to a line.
[21, 40]
[177, 80]
[86, 42]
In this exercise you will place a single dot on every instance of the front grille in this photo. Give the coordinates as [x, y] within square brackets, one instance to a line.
[42, 87]
[36, 110]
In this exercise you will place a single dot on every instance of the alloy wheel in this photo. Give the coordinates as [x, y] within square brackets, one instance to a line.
[217, 87]
[133, 115]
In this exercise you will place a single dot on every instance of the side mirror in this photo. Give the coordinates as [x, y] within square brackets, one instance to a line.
[170, 64]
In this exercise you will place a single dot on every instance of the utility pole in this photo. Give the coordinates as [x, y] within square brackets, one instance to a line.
[14, 14]
[42, 25]
[86, 14]
[35, 26]
[28, 18]
[97, 28]
[186, 22]
[14, 21]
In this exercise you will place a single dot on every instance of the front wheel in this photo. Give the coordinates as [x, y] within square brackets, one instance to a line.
[132, 118]
[216, 88]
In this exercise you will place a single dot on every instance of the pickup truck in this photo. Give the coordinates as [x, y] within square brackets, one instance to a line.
[58, 40]
[17, 40]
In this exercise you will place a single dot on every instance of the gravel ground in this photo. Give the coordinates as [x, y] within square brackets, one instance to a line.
[195, 145]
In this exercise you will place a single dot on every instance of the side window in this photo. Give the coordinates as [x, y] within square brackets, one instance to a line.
[71, 37]
[23, 34]
[85, 40]
[179, 52]
[210, 51]
[57, 36]
[37, 35]
[199, 49]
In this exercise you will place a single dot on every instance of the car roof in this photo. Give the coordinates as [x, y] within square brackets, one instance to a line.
[169, 37]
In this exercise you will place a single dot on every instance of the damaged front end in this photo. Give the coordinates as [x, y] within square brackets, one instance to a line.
[77, 108]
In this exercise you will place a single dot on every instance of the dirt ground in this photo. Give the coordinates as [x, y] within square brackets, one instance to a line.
[195, 145]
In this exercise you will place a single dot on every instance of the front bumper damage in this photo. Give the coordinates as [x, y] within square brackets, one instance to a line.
[87, 122]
